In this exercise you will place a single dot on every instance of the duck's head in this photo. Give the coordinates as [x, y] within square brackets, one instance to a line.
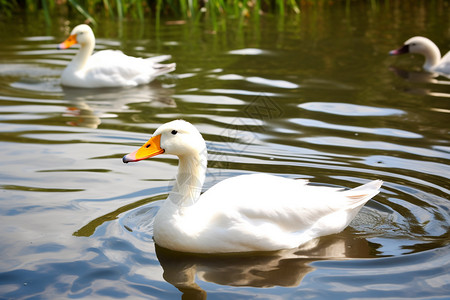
[177, 137]
[417, 44]
[81, 34]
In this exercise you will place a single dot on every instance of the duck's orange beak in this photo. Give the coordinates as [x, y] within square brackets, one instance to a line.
[149, 149]
[71, 40]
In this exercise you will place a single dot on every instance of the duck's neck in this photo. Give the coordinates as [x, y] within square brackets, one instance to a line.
[81, 58]
[432, 57]
[190, 179]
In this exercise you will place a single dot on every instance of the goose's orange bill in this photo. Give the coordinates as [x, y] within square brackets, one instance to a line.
[69, 42]
[149, 149]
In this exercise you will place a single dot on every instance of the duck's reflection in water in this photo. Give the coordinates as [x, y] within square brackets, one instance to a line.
[90, 106]
[285, 268]
[424, 83]
[87, 107]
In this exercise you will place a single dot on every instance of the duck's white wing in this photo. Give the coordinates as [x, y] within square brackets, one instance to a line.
[444, 65]
[263, 212]
[110, 68]
[446, 57]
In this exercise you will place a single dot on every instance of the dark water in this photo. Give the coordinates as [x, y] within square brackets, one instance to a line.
[314, 97]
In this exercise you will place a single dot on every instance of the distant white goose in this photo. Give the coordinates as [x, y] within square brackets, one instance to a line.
[424, 46]
[107, 68]
[257, 212]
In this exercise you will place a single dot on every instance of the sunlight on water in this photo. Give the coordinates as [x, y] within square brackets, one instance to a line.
[315, 98]
[248, 51]
[346, 109]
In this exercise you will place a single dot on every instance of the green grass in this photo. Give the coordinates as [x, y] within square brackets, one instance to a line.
[212, 10]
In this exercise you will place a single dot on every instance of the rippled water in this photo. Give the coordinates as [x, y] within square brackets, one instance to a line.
[315, 97]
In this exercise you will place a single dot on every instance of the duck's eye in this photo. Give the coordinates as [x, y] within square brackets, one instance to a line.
[174, 132]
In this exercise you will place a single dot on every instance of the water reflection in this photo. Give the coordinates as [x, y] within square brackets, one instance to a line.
[71, 211]
[89, 106]
[285, 268]
[259, 81]
[347, 109]
[423, 83]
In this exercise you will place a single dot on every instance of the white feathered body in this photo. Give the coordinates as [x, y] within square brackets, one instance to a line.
[107, 68]
[112, 68]
[444, 65]
[258, 212]
[424, 46]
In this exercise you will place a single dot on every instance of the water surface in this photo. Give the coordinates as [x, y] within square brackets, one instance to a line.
[313, 97]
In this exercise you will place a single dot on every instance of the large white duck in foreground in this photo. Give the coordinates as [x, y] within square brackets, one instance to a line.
[424, 46]
[257, 212]
[107, 68]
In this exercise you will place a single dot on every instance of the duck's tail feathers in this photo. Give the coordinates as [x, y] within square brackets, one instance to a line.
[161, 69]
[158, 68]
[158, 59]
[361, 194]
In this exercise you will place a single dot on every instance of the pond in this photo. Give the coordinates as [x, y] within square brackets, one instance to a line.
[314, 96]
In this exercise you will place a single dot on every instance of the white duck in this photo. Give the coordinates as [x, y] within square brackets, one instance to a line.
[257, 212]
[107, 68]
[425, 47]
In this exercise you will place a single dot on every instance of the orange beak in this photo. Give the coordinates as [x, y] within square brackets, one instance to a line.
[71, 40]
[149, 149]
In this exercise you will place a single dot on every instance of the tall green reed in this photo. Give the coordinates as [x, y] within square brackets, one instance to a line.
[212, 10]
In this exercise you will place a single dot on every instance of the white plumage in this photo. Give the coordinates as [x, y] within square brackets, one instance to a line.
[424, 46]
[107, 68]
[257, 212]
